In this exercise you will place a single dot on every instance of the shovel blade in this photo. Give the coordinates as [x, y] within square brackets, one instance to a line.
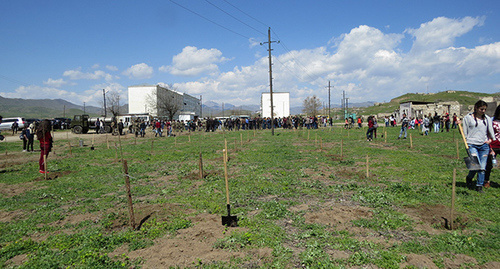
[230, 221]
[472, 163]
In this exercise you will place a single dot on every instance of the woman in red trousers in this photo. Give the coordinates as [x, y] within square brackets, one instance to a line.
[43, 135]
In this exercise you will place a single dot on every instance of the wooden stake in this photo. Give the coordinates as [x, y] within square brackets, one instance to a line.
[121, 152]
[189, 137]
[458, 154]
[307, 134]
[201, 166]
[321, 143]
[107, 141]
[367, 167]
[241, 139]
[69, 145]
[225, 148]
[341, 149]
[453, 197]
[45, 165]
[152, 146]
[385, 136]
[411, 142]
[129, 194]
[116, 153]
[225, 175]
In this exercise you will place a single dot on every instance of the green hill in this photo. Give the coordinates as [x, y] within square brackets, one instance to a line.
[463, 97]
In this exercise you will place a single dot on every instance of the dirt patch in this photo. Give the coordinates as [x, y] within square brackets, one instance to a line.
[434, 219]
[338, 215]
[52, 175]
[459, 261]
[8, 216]
[418, 261]
[13, 160]
[11, 190]
[17, 260]
[193, 246]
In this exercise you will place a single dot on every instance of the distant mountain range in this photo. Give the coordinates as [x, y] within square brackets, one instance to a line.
[52, 108]
[211, 107]
[43, 108]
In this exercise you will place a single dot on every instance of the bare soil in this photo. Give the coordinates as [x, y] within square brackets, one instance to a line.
[195, 246]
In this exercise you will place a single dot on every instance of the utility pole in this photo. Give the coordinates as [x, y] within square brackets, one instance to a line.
[329, 115]
[344, 104]
[104, 95]
[83, 107]
[201, 108]
[270, 76]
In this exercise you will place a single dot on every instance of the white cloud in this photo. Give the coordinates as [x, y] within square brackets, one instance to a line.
[111, 68]
[57, 83]
[78, 74]
[441, 32]
[139, 71]
[366, 63]
[193, 61]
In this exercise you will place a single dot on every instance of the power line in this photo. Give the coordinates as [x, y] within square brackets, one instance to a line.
[227, 13]
[201, 16]
[14, 80]
[295, 59]
[246, 13]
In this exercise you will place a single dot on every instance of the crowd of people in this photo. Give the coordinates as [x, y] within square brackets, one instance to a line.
[482, 133]
[230, 124]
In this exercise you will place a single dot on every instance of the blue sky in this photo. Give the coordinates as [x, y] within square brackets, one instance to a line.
[372, 50]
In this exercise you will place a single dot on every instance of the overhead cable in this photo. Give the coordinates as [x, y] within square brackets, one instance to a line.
[201, 16]
[227, 13]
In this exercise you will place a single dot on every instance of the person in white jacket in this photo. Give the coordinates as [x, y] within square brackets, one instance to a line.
[478, 131]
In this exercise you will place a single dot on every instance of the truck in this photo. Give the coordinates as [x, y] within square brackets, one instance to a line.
[81, 124]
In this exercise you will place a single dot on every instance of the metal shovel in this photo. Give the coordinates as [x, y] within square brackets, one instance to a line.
[472, 162]
[230, 221]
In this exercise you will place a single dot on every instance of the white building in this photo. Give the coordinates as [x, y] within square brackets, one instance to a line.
[142, 100]
[281, 104]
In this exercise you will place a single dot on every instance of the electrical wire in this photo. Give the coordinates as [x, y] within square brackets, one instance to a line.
[201, 16]
[13, 80]
[246, 14]
[227, 13]
[304, 69]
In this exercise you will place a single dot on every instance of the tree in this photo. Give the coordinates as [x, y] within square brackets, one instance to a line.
[113, 103]
[311, 106]
[166, 101]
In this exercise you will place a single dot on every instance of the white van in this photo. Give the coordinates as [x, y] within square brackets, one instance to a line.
[7, 123]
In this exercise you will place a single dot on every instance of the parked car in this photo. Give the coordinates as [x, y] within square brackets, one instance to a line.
[7, 123]
[61, 123]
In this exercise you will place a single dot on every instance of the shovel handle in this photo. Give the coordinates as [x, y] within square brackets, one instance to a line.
[463, 136]
[225, 176]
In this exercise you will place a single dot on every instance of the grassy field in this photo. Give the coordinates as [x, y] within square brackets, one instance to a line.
[322, 198]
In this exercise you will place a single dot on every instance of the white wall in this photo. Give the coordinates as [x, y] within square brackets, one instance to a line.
[139, 99]
[281, 103]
